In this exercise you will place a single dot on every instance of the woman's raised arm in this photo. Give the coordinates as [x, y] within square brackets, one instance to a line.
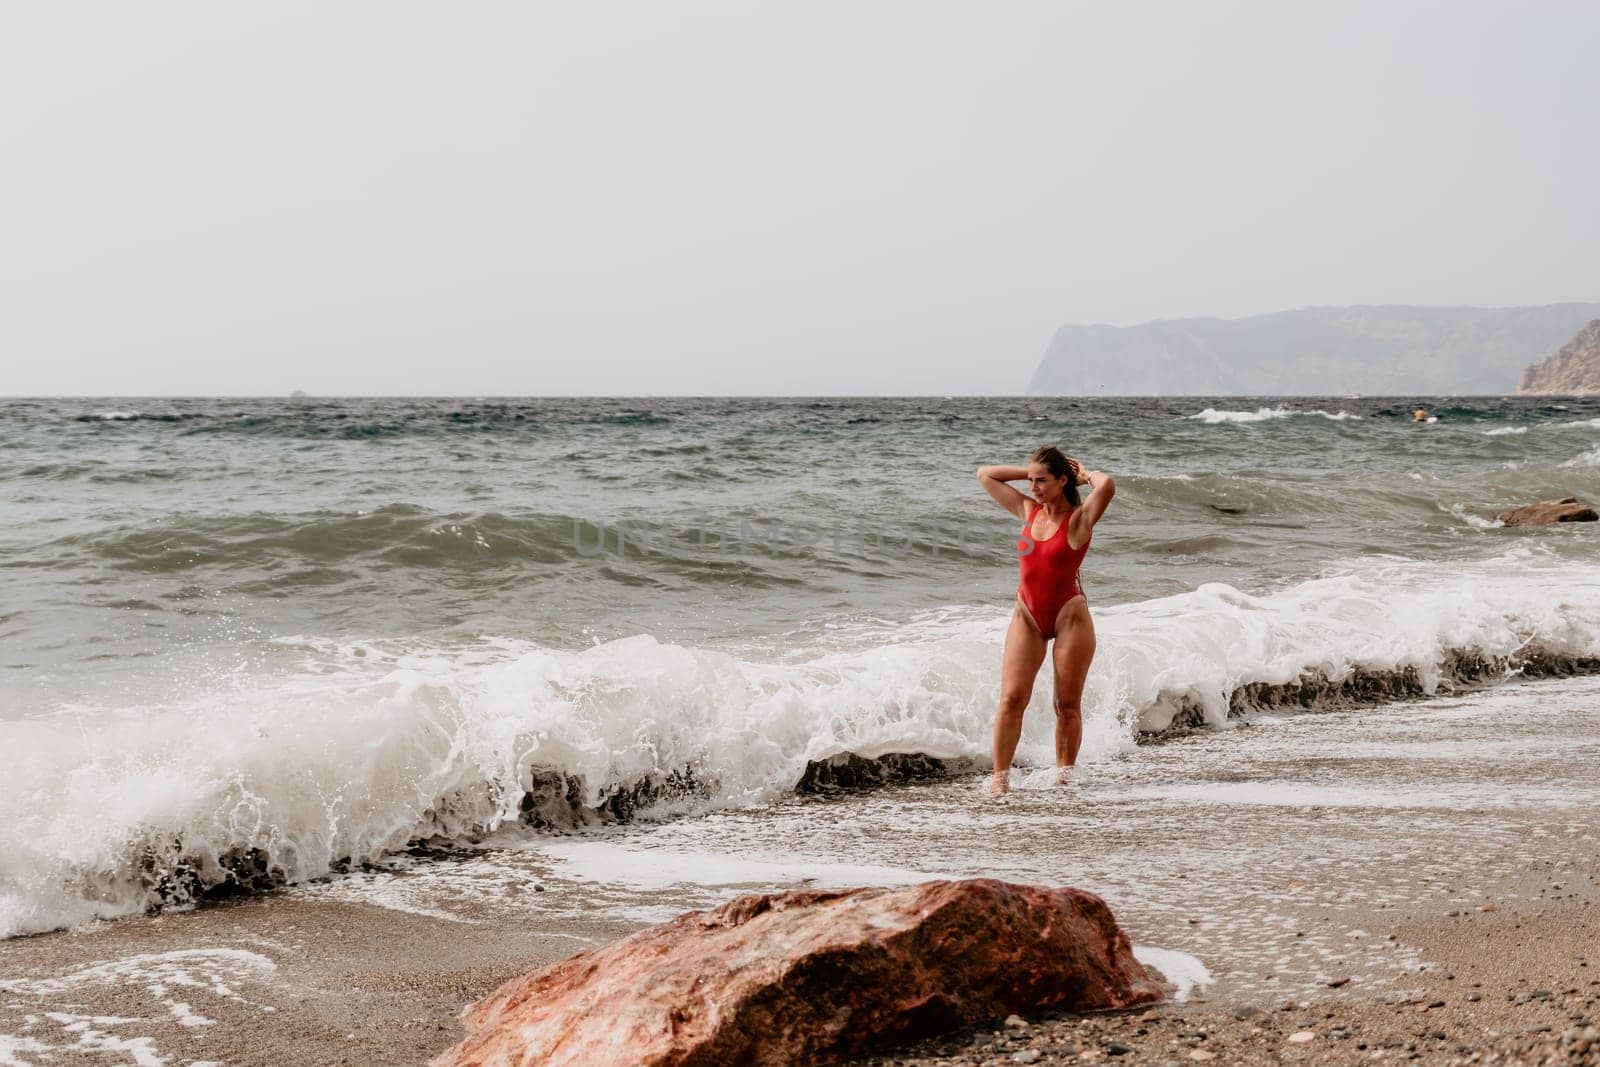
[994, 479]
[1102, 488]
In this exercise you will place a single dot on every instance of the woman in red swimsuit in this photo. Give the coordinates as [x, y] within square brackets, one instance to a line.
[1057, 526]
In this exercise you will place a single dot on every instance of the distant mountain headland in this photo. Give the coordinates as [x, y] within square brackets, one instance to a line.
[1573, 371]
[1381, 350]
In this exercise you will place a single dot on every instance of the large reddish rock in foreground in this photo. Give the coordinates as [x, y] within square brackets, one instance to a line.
[1566, 509]
[811, 977]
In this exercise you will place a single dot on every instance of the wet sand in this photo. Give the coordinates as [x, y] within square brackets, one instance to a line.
[276, 980]
[1312, 860]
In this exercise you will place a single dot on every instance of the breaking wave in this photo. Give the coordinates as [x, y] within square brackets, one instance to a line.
[357, 753]
[1212, 415]
[1590, 458]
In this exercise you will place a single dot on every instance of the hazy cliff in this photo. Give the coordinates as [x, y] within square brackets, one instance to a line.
[1378, 350]
[1573, 371]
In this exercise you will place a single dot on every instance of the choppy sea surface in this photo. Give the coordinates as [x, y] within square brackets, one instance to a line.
[246, 643]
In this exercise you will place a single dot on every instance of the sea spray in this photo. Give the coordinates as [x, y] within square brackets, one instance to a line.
[112, 810]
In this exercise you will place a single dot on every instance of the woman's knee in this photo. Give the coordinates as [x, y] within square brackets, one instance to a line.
[1014, 702]
[1068, 710]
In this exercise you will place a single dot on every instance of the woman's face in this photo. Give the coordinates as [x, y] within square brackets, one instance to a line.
[1047, 488]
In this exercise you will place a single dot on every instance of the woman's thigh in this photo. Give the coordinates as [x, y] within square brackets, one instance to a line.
[1074, 650]
[1024, 652]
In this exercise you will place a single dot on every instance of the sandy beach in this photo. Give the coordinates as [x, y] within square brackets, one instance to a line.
[1516, 985]
[1394, 873]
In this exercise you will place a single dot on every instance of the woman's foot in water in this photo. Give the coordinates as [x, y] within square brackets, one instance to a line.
[1000, 783]
[1064, 775]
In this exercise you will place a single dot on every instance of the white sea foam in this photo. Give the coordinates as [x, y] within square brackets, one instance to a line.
[1471, 519]
[1268, 793]
[1212, 415]
[1504, 431]
[205, 969]
[1590, 458]
[599, 861]
[13, 1045]
[94, 1035]
[1591, 424]
[1181, 969]
[108, 811]
[119, 414]
[162, 977]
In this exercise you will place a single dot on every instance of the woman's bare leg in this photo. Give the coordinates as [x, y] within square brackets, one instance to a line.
[1019, 665]
[1074, 649]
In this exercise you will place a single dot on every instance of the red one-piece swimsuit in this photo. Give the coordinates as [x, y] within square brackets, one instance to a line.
[1049, 572]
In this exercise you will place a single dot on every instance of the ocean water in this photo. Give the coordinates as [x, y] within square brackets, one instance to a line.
[246, 643]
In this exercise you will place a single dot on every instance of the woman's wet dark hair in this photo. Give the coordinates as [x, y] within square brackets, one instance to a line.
[1059, 466]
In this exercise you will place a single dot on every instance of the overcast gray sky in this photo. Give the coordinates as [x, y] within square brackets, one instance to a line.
[809, 197]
